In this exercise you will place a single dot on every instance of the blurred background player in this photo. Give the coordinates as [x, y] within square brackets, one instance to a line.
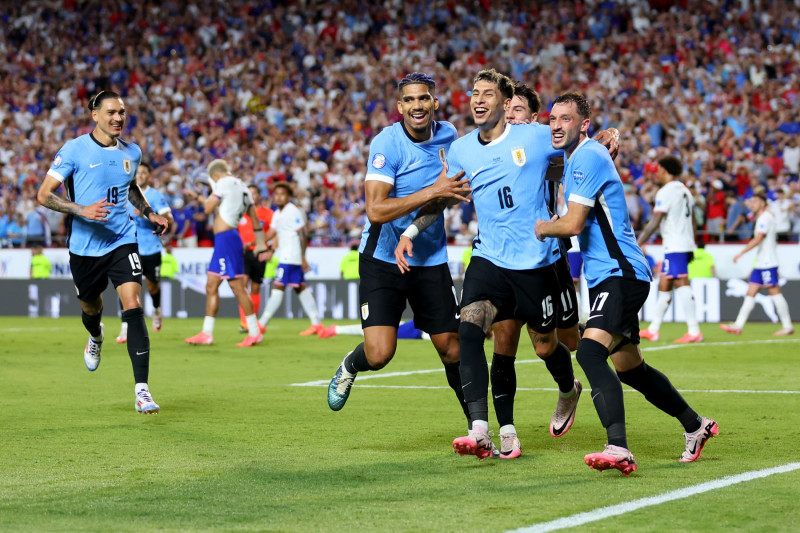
[149, 245]
[253, 268]
[619, 282]
[406, 330]
[40, 264]
[673, 216]
[289, 226]
[97, 170]
[227, 262]
[348, 266]
[765, 269]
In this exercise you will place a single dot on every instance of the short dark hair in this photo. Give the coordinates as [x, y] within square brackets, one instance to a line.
[253, 186]
[284, 185]
[146, 165]
[502, 81]
[417, 78]
[529, 95]
[97, 100]
[584, 109]
[671, 164]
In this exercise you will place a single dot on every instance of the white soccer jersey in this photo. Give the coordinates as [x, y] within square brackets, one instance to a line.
[234, 198]
[676, 202]
[286, 222]
[767, 251]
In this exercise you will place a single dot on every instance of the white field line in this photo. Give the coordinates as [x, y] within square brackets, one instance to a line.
[378, 375]
[602, 513]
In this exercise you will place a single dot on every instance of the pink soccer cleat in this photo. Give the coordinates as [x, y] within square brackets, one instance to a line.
[313, 330]
[326, 333]
[250, 341]
[612, 457]
[477, 443]
[730, 328]
[695, 441]
[689, 338]
[564, 415]
[201, 338]
[784, 331]
[649, 335]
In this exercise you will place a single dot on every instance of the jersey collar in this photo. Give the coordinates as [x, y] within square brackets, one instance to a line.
[579, 146]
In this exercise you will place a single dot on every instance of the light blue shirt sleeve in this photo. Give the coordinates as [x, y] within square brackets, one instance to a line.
[382, 164]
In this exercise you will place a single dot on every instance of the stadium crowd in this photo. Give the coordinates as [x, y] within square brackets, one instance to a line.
[295, 91]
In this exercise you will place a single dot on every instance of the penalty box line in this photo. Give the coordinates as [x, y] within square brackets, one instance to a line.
[602, 513]
[379, 375]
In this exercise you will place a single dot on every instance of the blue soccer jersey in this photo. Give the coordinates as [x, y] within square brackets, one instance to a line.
[92, 172]
[409, 166]
[607, 242]
[509, 192]
[149, 242]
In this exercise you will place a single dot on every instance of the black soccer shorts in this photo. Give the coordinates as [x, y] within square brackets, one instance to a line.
[615, 304]
[91, 274]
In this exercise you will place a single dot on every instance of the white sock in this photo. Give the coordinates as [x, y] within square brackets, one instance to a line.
[482, 424]
[744, 312]
[355, 329]
[309, 306]
[425, 336]
[664, 299]
[123, 332]
[504, 430]
[252, 325]
[140, 387]
[274, 302]
[782, 308]
[208, 325]
[685, 297]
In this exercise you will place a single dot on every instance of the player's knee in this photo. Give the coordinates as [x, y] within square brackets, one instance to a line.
[590, 353]
[570, 337]
[447, 347]
[379, 354]
[469, 332]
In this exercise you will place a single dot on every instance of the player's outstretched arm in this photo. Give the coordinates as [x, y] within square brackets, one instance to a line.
[382, 209]
[567, 226]
[48, 198]
[650, 228]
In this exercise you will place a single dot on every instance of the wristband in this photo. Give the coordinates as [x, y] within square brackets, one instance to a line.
[257, 230]
[411, 232]
[147, 211]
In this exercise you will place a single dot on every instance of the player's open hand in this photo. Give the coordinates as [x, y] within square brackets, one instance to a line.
[97, 211]
[610, 139]
[161, 224]
[405, 246]
[454, 190]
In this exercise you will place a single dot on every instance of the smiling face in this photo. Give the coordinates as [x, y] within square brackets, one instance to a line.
[143, 176]
[488, 104]
[567, 126]
[110, 119]
[417, 105]
[520, 111]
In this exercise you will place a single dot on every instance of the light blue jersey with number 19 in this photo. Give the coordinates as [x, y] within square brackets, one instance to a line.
[509, 192]
[92, 172]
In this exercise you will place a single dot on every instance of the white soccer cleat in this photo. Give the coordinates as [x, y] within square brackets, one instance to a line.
[91, 354]
[144, 402]
[157, 319]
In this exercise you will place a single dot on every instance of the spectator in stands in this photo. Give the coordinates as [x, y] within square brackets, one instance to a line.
[782, 207]
[16, 231]
[715, 209]
[737, 226]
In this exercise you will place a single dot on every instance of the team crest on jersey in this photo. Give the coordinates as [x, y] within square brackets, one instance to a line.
[442, 156]
[126, 166]
[578, 176]
[57, 160]
[518, 155]
[364, 311]
[379, 161]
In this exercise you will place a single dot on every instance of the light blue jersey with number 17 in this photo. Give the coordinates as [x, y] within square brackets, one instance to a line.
[92, 172]
[608, 244]
[509, 192]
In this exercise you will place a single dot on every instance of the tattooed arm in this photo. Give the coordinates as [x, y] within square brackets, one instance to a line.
[48, 198]
[137, 200]
[427, 215]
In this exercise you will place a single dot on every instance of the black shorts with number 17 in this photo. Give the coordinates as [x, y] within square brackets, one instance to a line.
[615, 304]
[91, 274]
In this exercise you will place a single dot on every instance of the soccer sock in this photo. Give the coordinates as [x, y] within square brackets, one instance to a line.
[662, 304]
[309, 306]
[685, 297]
[123, 331]
[747, 307]
[256, 299]
[782, 309]
[658, 390]
[208, 325]
[474, 373]
[274, 302]
[252, 325]
[606, 390]
[504, 387]
[92, 324]
[354, 329]
[559, 364]
[451, 370]
[156, 299]
[357, 360]
[138, 344]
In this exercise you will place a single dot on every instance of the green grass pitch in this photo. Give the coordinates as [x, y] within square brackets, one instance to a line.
[238, 447]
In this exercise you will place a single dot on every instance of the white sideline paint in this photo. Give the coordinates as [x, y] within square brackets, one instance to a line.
[377, 375]
[679, 494]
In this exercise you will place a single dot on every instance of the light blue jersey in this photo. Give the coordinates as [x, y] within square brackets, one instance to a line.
[409, 166]
[509, 192]
[92, 172]
[607, 242]
[149, 242]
